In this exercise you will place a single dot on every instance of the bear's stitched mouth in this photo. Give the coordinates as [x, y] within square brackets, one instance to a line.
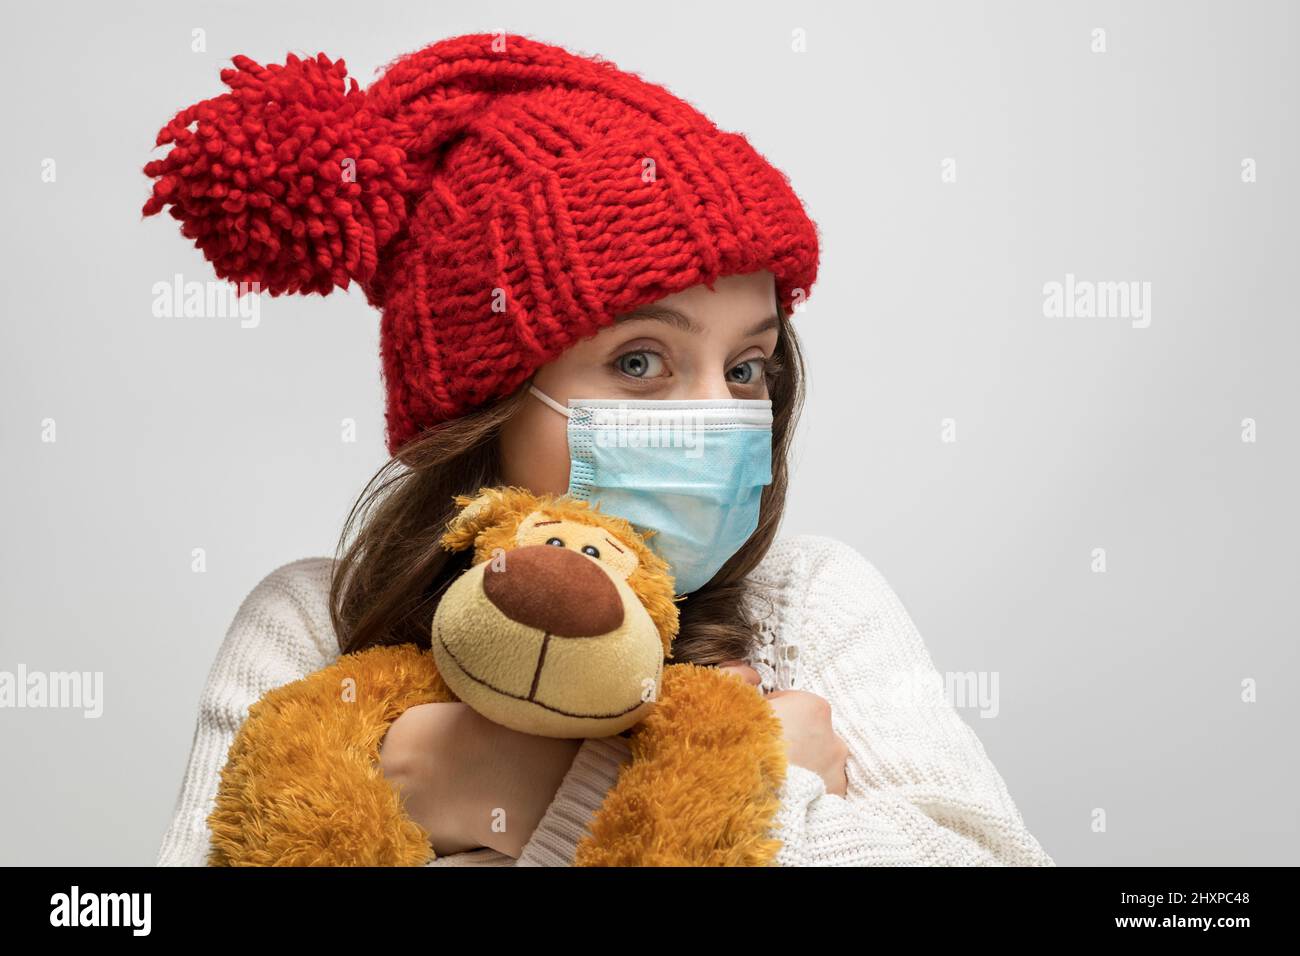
[530, 699]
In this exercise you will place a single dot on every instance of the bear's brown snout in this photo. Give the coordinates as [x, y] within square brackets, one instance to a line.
[555, 590]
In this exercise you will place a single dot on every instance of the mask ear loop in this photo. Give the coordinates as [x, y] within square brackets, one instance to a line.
[549, 401]
[582, 466]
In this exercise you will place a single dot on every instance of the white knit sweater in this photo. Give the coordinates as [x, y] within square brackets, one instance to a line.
[921, 789]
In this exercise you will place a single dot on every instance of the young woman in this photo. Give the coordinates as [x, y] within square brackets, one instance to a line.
[540, 229]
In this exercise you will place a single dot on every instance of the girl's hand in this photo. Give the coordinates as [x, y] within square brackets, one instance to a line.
[810, 740]
[806, 721]
[471, 782]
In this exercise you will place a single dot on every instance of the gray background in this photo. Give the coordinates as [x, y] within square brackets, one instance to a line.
[1118, 691]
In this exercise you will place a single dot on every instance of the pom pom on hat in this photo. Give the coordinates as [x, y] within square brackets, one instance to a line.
[288, 180]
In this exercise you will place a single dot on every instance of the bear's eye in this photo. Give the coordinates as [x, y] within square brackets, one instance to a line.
[557, 542]
[591, 550]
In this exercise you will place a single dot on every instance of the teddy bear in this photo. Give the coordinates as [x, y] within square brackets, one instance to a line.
[562, 626]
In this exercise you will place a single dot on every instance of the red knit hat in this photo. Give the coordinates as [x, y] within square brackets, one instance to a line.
[496, 197]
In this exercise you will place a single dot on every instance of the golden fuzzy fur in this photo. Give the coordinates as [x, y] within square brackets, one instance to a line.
[701, 790]
[302, 784]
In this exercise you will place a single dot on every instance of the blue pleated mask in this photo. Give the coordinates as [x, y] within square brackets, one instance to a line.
[691, 471]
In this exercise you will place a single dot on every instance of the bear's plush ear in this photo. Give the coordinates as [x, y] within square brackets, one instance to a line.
[490, 508]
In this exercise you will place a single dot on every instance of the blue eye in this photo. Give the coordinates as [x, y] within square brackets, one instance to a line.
[555, 542]
[640, 364]
[591, 550]
[748, 372]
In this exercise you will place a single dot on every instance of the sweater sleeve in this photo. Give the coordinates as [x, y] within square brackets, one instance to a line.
[921, 788]
[279, 635]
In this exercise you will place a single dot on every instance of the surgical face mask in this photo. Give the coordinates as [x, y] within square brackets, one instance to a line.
[692, 471]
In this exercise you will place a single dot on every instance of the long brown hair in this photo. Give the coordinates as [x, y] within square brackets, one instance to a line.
[391, 570]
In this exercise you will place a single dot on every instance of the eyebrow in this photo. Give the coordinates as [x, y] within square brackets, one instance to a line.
[680, 320]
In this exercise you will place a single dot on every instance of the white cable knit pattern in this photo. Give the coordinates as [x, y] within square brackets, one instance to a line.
[921, 789]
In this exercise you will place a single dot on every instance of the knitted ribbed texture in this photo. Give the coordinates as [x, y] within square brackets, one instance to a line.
[922, 790]
[497, 197]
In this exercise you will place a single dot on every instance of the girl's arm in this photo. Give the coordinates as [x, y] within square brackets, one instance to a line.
[921, 789]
